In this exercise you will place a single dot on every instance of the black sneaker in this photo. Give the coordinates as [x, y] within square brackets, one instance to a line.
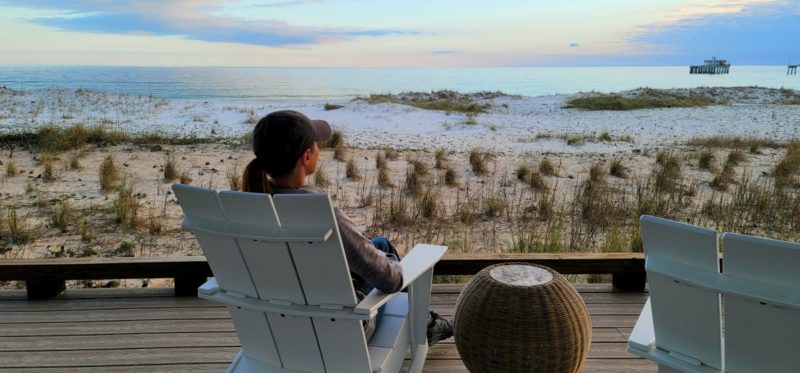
[438, 328]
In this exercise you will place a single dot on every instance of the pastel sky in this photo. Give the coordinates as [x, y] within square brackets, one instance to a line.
[397, 33]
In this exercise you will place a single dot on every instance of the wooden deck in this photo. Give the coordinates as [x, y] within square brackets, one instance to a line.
[134, 330]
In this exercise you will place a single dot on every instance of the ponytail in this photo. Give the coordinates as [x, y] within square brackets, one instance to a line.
[255, 178]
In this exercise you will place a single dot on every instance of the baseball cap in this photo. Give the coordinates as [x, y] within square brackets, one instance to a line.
[281, 137]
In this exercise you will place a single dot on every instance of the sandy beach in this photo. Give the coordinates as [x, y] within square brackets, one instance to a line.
[493, 211]
[511, 125]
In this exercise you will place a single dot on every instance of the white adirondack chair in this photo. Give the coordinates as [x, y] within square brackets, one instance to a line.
[745, 318]
[280, 267]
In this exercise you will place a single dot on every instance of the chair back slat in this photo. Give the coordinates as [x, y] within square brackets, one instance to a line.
[760, 336]
[686, 319]
[255, 335]
[320, 266]
[201, 208]
[270, 263]
[342, 345]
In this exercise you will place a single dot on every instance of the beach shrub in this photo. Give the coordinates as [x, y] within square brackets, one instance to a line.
[383, 178]
[57, 139]
[85, 230]
[617, 169]
[234, 177]
[537, 182]
[352, 171]
[734, 142]
[339, 152]
[170, 168]
[440, 158]
[719, 183]
[391, 154]
[125, 249]
[494, 206]
[336, 140]
[17, 228]
[427, 206]
[789, 165]
[477, 160]
[126, 207]
[321, 178]
[547, 168]
[574, 140]
[48, 174]
[109, 174]
[413, 183]
[447, 101]
[74, 161]
[668, 172]
[11, 168]
[154, 222]
[397, 213]
[735, 157]
[61, 214]
[466, 212]
[522, 172]
[185, 178]
[380, 161]
[706, 160]
[450, 177]
[597, 172]
[419, 167]
[643, 98]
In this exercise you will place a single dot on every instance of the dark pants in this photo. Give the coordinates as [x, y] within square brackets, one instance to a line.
[382, 244]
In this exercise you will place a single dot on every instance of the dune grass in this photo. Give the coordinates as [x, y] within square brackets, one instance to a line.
[734, 142]
[447, 101]
[51, 138]
[644, 98]
[108, 174]
[785, 172]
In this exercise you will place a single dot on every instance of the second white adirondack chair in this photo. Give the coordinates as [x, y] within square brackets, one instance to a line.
[280, 267]
[745, 318]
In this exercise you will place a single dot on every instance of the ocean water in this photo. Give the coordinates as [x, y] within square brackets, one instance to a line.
[346, 83]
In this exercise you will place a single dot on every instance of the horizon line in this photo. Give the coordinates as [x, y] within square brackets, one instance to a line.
[357, 67]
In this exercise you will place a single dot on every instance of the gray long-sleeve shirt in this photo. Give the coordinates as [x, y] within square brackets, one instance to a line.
[366, 263]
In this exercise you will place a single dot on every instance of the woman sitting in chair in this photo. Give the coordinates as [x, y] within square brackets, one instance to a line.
[285, 145]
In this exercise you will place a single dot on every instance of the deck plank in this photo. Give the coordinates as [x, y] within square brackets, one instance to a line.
[127, 330]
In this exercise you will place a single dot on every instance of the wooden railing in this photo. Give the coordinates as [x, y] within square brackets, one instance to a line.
[45, 278]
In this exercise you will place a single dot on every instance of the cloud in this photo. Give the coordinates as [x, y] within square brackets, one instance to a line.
[191, 19]
[440, 52]
[574, 45]
[756, 34]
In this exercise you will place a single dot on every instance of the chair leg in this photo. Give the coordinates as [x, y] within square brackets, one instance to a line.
[418, 358]
[419, 296]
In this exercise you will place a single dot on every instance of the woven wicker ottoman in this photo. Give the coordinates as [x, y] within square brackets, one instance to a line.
[518, 317]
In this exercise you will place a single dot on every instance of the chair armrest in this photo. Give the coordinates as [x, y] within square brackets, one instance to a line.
[643, 337]
[419, 260]
[209, 287]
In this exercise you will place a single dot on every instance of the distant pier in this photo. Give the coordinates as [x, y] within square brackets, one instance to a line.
[712, 66]
[792, 70]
